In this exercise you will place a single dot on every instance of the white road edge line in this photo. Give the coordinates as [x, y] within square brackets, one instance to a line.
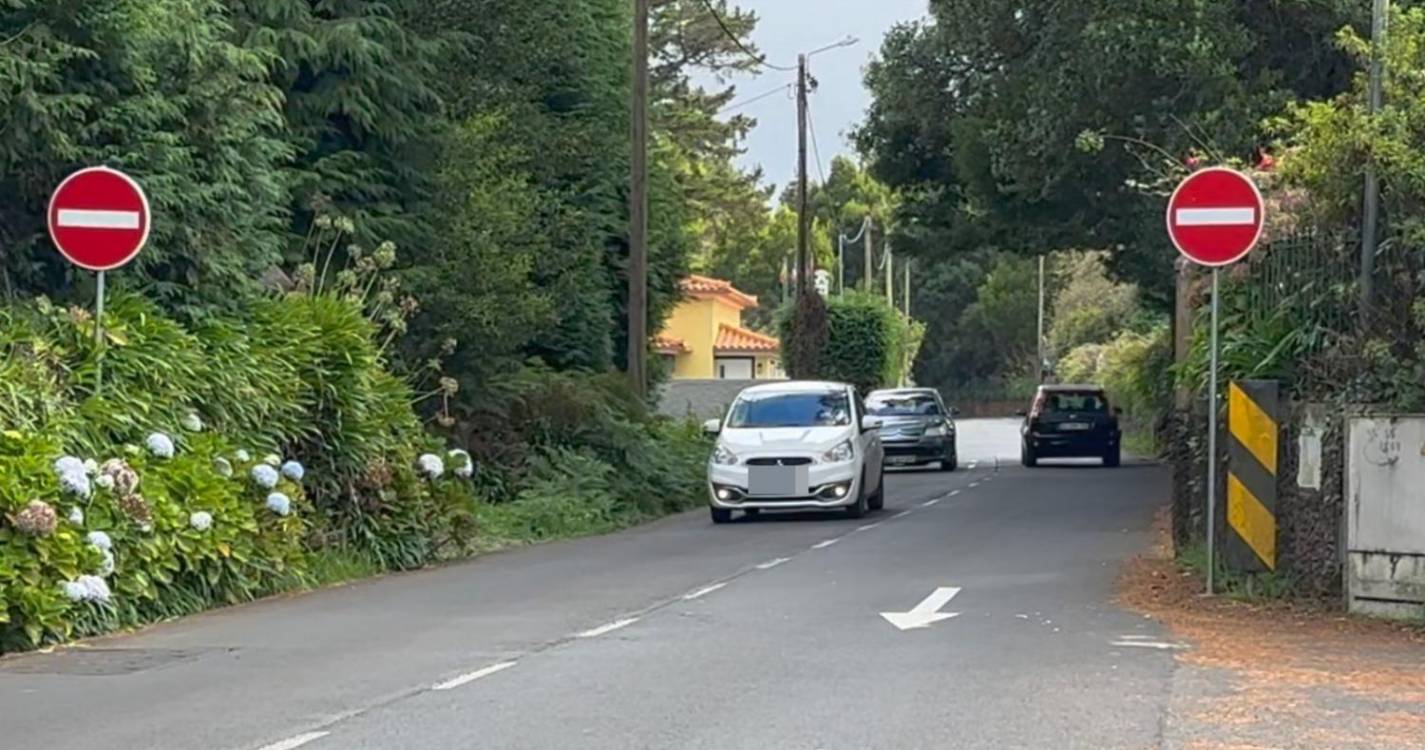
[972, 464]
[929, 503]
[294, 742]
[704, 591]
[609, 628]
[1149, 644]
[973, 485]
[470, 677]
[901, 514]
[956, 492]
[773, 563]
[869, 526]
[825, 544]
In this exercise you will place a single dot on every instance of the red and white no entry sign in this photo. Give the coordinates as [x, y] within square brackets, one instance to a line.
[99, 218]
[1215, 216]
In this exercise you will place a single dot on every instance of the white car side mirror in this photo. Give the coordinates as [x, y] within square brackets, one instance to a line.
[712, 426]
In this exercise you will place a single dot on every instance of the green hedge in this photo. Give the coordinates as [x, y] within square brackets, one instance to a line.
[868, 344]
[300, 378]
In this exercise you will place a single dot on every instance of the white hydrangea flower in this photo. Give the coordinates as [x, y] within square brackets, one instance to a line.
[201, 520]
[243, 456]
[67, 464]
[192, 422]
[272, 459]
[106, 568]
[105, 481]
[101, 540]
[279, 503]
[96, 589]
[464, 465]
[76, 516]
[294, 470]
[75, 483]
[431, 465]
[265, 476]
[74, 591]
[223, 467]
[91, 467]
[159, 445]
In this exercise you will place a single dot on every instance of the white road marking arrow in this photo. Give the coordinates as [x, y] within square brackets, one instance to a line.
[927, 612]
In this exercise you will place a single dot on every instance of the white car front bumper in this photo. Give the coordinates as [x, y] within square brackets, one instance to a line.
[822, 481]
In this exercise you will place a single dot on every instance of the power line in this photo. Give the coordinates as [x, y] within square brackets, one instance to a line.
[760, 59]
[740, 104]
[815, 149]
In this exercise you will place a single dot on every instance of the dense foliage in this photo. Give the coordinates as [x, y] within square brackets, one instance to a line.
[865, 342]
[374, 222]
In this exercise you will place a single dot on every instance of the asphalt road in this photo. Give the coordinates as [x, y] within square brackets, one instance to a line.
[764, 634]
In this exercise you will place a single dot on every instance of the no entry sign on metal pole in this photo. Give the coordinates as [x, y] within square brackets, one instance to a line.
[99, 218]
[1215, 216]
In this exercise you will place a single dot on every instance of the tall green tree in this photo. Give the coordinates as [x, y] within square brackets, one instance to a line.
[159, 89]
[361, 111]
[1046, 119]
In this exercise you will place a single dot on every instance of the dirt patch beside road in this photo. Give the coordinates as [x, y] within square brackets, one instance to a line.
[1280, 675]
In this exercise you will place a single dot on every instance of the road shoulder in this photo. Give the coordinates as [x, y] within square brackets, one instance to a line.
[1279, 674]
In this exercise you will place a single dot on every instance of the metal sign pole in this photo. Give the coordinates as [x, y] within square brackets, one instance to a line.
[99, 334]
[1212, 446]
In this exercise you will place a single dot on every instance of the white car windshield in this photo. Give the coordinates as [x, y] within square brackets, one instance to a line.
[813, 409]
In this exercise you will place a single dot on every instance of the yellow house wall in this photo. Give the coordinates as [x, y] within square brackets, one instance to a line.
[696, 322]
[692, 321]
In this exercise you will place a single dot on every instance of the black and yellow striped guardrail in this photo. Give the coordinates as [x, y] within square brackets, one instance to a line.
[1253, 419]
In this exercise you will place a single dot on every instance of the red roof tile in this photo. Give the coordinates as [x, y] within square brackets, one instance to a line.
[734, 339]
[708, 287]
[665, 344]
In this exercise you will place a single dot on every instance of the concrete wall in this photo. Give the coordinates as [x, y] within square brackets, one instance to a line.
[701, 399]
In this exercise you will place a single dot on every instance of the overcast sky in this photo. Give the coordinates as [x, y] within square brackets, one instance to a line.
[788, 27]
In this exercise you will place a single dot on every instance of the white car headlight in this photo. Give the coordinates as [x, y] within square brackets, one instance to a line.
[724, 457]
[939, 430]
[840, 454]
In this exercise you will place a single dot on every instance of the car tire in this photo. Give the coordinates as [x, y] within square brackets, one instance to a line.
[952, 463]
[1113, 456]
[1027, 457]
[721, 515]
[878, 500]
[858, 508]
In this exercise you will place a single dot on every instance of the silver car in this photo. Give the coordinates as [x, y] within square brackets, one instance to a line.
[916, 427]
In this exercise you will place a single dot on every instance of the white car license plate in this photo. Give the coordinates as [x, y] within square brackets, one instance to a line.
[778, 481]
[1075, 426]
[900, 460]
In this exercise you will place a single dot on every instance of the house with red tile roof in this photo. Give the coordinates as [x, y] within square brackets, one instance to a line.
[704, 338]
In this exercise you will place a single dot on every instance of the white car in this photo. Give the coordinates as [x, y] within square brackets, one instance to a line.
[795, 446]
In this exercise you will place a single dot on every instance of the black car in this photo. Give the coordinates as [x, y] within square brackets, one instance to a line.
[916, 427]
[1071, 421]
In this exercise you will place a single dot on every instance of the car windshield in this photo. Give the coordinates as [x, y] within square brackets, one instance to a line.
[903, 405]
[1079, 402]
[815, 409]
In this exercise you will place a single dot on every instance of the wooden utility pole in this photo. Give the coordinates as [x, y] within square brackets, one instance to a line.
[905, 288]
[803, 207]
[870, 273]
[638, 208]
[890, 276]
